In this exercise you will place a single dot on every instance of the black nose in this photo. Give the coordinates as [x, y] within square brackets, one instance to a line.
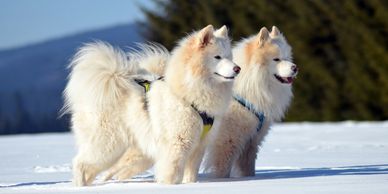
[236, 69]
[294, 68]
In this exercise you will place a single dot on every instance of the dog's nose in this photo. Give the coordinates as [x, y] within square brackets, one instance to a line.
[236, 69]
[294, 68]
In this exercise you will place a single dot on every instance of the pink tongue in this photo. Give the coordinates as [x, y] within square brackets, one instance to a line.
[290, 79]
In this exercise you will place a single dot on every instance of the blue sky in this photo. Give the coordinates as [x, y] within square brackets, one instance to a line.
[24, 22]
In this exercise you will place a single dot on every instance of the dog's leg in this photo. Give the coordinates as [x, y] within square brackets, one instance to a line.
[131, 163]
[169, 171]
[221, 156]
[112, 172]
[245, 164]
[84, 173]
[120, 164]
[192, 165]
[171, 161]
[91, 172]
[79, 178]
[91, 160]
[141, 165]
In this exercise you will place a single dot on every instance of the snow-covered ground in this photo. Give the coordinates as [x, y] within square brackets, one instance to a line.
[346, 157]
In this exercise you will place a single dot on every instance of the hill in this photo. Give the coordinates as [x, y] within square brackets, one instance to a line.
[33, 77]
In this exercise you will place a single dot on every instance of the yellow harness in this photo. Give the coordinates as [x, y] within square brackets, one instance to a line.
[144, 83]
[206, 129]
[207, 122]
[206, 119]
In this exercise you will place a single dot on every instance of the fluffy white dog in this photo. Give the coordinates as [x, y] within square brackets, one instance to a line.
[262, 94]
[111, 112]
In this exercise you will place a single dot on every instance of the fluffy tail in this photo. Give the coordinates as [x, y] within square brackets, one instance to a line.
[99, 78]
[152, 57]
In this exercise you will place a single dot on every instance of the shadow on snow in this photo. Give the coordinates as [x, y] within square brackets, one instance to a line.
[313, 172]
[259, 175]
[310, 172]
[33, 183]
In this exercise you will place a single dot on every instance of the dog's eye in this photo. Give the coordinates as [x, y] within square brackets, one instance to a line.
[217, 57]
[276, 59]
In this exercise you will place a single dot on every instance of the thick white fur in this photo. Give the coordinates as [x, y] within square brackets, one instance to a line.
[100, 85]
[233, 153]
[109, 113]
[235, 144]
[151, 57]
[133, 161]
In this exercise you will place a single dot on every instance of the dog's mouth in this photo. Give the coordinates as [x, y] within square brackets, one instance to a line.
[230, 78]
[284, 80]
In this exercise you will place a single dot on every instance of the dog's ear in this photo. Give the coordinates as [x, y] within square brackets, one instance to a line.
[275, 31]
[205, 36]
[263, 36]
[222, 32]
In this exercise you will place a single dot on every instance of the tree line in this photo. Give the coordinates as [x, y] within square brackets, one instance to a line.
[19, 119]
[340, 47]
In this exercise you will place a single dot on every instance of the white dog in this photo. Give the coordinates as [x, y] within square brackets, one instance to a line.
[262, 94]
[110, 111]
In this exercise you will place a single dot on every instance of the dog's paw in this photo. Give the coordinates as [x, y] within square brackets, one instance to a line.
[189, 179]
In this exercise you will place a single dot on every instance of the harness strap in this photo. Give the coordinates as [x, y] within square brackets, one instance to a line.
[206, 119]
[144, 83]
[207, 122]
[260, 115]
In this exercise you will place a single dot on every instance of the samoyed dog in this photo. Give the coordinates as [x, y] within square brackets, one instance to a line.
[111, 111]
[262, 94]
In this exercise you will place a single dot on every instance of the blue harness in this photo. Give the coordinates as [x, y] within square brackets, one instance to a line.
[252, 109]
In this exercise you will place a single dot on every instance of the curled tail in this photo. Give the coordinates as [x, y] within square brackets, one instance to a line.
[152, 57]
[99, 78]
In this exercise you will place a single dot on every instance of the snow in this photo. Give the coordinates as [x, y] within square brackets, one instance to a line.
[346, 157]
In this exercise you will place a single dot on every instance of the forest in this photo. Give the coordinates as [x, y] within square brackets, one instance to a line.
[339, 46]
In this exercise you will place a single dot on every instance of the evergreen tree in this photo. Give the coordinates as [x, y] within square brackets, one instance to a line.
[341, 47]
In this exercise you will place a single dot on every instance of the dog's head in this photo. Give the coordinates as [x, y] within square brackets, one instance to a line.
[205, 54]
[221, 59]
[272, 52]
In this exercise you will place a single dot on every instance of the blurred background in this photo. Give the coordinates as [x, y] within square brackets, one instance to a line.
[341, 48]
